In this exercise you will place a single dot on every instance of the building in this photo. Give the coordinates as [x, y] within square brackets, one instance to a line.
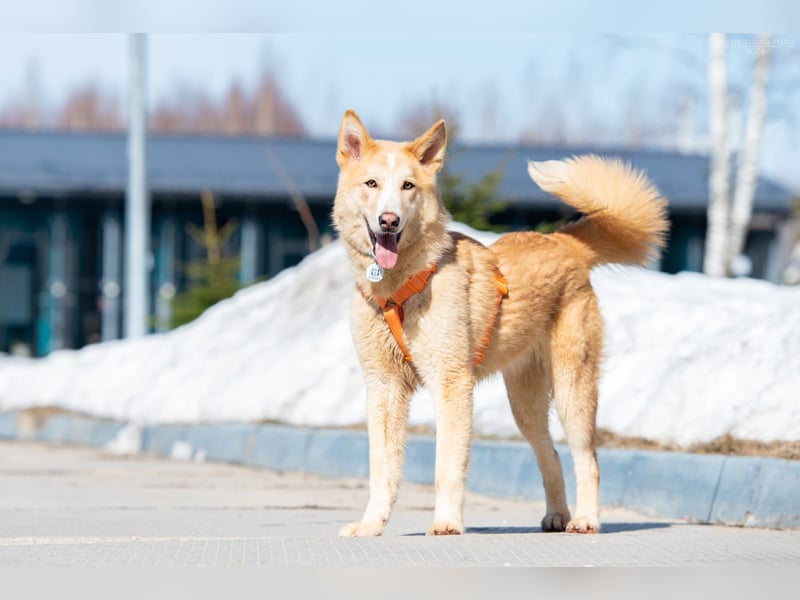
[62, 206]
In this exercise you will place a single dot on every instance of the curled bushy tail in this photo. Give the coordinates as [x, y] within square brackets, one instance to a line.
[624, 218]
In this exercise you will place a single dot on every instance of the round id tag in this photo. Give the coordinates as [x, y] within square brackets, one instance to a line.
[374, 273]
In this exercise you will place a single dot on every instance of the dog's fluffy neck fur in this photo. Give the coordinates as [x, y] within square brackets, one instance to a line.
[413, 256]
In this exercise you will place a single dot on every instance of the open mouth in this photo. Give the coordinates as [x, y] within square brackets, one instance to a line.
[384, 247]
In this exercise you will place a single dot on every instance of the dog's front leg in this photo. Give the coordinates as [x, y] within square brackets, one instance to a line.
[387, 416]
[453, 436]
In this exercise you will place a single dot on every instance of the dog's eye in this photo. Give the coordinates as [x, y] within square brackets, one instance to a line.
[371, 183]
[407, 185]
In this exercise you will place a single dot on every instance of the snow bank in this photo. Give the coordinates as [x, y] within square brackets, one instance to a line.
[688, 358]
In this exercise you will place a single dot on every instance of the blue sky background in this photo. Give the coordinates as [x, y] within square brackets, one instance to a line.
[385, 61]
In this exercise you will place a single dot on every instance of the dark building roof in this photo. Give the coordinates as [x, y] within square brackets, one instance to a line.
[70, 163]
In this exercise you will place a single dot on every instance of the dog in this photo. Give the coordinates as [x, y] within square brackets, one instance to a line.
[436, 308]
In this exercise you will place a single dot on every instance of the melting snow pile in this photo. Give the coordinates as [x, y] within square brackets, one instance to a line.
[688, 358]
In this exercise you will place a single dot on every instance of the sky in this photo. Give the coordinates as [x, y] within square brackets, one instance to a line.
[345, 17]
[611, 89]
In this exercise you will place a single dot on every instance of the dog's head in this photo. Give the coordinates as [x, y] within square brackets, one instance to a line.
[386, 189]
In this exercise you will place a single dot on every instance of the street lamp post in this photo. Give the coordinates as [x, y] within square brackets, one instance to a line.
[137, 206]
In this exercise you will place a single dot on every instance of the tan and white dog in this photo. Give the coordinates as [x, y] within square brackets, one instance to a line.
[436, 308]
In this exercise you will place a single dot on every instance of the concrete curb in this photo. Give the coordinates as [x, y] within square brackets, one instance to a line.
[732, 490]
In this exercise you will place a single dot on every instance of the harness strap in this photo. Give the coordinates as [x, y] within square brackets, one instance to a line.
[392, 308]
[502, 292]
[394, 319]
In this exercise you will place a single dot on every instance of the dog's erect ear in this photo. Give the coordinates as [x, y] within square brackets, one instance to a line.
[429, 147]
[353, 139]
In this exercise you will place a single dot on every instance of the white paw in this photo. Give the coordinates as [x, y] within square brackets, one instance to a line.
[361, 529]
[584, 525]
[445, 528]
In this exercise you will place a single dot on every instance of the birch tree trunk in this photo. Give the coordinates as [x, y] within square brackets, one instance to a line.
[719, 175]
[747, 171]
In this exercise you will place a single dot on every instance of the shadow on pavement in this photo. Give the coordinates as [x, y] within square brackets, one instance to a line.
[607, 528]
[623, 527]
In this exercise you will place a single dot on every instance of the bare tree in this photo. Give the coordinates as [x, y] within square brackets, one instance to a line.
[188, 110]
[235, 111]
[90, 108]
[266, 118]
[419, 117]
[272, 111]
[719, 176]
[728, 222]
[264, 111]
[26, 112]
[747, 171]
[298, 200]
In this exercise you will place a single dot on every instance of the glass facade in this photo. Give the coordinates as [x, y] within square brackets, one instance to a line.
[61, 267]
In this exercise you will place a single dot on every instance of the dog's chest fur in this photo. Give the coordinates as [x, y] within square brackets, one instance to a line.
[444, 322]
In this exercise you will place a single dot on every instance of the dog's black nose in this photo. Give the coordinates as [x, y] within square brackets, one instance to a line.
[389, 222]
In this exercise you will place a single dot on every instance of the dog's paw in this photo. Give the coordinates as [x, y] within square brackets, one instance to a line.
[445, 528]
[361, 529]
[555, 521]
[583, 525]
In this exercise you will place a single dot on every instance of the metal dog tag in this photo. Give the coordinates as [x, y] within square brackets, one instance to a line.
[374, 273]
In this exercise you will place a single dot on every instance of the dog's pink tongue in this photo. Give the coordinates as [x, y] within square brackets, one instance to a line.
[386, 250]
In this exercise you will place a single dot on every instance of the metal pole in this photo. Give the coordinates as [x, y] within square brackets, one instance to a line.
[137, 209]
[110, 282]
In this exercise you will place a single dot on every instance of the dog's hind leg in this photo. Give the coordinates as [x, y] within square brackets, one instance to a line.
[576, 353]
[387, 417]
[528, 385]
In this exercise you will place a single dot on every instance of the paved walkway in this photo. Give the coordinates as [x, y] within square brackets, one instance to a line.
[64, 505]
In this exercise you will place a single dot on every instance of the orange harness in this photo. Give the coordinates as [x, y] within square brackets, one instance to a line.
[392, 308]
